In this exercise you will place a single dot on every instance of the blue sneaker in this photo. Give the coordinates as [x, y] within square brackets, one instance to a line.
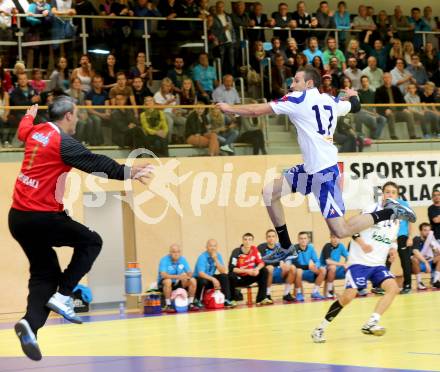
[400, 212]
[28, 341]
[65, 307]
[281, 254]
[362, 292]
[299, 297]
[317, 296]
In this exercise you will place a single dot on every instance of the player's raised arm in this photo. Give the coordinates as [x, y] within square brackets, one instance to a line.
[352, 97]
[253, 110]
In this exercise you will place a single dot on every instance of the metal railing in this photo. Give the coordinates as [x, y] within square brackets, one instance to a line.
[425, 33]
[19, 34]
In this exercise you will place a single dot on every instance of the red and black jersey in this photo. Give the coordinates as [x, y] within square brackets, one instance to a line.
[245, 261]
[49, 155]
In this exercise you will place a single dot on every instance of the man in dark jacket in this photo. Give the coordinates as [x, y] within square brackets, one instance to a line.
[258, 19]
[22, 95]
[389, 93]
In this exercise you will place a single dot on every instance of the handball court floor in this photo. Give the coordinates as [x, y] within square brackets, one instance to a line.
[272, 338]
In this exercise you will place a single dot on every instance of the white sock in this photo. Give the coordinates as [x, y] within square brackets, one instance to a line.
[168, 301]
[287, 289]
[419, 277]
[268, 291]
[436, 276]
[324, 324]
[316, 289]
[330, 286]
[59, 297]
[298, 291]
[375, 317]
[191, 300]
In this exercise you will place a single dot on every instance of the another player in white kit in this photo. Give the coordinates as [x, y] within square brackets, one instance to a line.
[315, 116]
[366, 262]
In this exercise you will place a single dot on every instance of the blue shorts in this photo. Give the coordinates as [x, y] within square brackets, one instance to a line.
[324, 185]
[340, 272]
[277, 276]
[423, 267]
[309, 276]
[358, 275]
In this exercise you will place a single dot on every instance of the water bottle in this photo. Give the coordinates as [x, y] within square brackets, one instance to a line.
[133, 279]
[121, 309]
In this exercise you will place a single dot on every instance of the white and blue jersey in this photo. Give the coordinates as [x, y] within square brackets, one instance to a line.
[315, 117]
[371, 266]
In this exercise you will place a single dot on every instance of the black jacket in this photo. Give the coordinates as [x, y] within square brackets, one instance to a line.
[381, 96]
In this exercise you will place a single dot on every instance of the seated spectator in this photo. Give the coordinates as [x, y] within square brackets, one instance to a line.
[353, 73]
[204, 12]
[331, 256]
[363, 22]
[283, 19]
[239, 19]
[188, 9]
[141, 69]
[408, 52]
[325, 19]
[168, 9]
[432, 22]
[417, 71]
[197, 132]
[335, 72]
[258, 19]
[279, 272]
[140, 90]
[280, 73]
[155, 127]
[96, 97]
[4, 113]
[429, 59]
[430, 114]
[313, 50]
[247, 267]
[302, 20]
[251, 131]
[79, 97]
[258, 54]
[226, 92]
[276, 49]
[84, 73]
[436, 80]
[327, 86]
[59, 78]
[353, 49]
[378, 51]
[208, 263]
[125, 129]
[224, 127]
[319, 65]
[175, 272]
[187, 96]
[401, 77]
[109, 72]
[291, 53]
[342, 21]
[37, 81]
[384, 32]
[418, 25]
[19, 68]
[344, 136]
[205, 78]
[177, 74]
[333, 51]
[367, 115]
[123, 89]
[400, 25]
[420, 263]
[374, 73]
[308, 268]
[396, 52]
[5, 77]
[389, 93]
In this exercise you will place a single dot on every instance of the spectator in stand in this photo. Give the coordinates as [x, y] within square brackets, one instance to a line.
[141, 69]
[251, 131]
[276, 49]
[325, 19]
[175, 272]
[342, 21]
[313, 50]
[436, 80]
[389, 93]
[283, 19]
[37, 81]
[188, 9]
[368, 116]
[109, 72]
[374, 73]
[79, 98]
[425, 117]
[62, 28]
[384, 30]
[19, 68]
[308, 268]
[429, 59]
[4, 113]
[335, 72]
[5, 77]
[331, 256]
[140, 91]
[23, 95]
[408, 51]
[278, 272]
[155, 127]
[432, 23]
[97, 96]
[396, 52]
[187, 95]
[434, 213]
[280, 73]
[291, 53]
[7, 11]
[197, 132]
[177, 74]
[140, 9]
[418, 72]
[204, 12]
[123, 89]
[258, 54]
[59, 78]
[333, 51]
[226, 92]
[125, 129]
[418, 25]
[327, 86]
[401, 77]
[84, 73]
[353, 50]
[85, 7]
[431, 115]
[168, 9]
[225, 38]
[353, 73]
[224, 127]
[208, 263]
[319, 65]
[258, 19]
[378, 51]
[363, 22]
[239, 19]
[400, 24]
[205, 78]
[247, 267]
[302, 20]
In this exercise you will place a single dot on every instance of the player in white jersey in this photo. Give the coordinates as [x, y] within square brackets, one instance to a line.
[315, 116]
[368, 253]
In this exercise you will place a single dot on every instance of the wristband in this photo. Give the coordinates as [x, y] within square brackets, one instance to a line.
[355, 236]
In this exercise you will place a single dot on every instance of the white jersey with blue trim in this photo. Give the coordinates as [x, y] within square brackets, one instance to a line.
[382, 237]
[315, 116]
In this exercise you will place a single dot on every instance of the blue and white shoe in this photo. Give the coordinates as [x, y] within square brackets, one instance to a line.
[317, 296]
[28, 341]
[64, 307]
[281, 254]
[299, 297]
[400, 212]
[362, 292]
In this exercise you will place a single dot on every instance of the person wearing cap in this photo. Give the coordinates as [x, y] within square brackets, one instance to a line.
[327, 86]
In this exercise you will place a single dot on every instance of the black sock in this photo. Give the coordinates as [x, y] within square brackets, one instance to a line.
[283, 236]
[333, 311]
[383, 215]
